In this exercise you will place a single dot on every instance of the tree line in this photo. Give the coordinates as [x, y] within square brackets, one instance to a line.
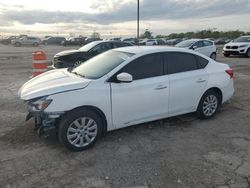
[208, 33]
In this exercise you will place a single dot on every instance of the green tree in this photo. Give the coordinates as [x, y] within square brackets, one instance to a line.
[147, 34]
[95, 35]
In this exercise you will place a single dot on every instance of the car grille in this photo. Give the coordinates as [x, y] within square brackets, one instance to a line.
[232, 47]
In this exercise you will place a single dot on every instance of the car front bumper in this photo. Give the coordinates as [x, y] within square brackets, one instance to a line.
[239, 51]
[44, 122]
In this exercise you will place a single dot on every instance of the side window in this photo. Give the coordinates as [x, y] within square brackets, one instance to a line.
[117, 45]
[199, 44]
[102, 48]
[120, 44]
[202, 62]
[180, 62]
[207, 43]
[145, 67]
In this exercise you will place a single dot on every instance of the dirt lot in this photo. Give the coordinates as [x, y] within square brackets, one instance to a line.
[177, 152]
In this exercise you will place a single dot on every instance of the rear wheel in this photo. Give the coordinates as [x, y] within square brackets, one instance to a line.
[80, 129]
[17, 44]
[213, 56]
[208, 105]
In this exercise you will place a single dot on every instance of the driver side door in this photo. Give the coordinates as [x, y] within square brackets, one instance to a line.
[146, 97]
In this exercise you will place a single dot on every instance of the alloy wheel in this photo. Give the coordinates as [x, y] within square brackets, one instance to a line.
[210, 105]
[82, 132]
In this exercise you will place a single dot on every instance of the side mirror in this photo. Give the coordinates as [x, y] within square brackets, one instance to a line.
[194, 47]
[124, 77]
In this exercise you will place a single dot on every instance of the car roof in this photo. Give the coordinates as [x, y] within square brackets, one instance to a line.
[152, 49]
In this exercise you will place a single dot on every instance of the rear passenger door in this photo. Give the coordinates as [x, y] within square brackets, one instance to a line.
[187, 80]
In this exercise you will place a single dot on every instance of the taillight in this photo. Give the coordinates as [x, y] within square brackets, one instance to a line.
[230, 72]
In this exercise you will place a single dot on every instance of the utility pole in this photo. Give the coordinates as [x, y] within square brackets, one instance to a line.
[138, 19]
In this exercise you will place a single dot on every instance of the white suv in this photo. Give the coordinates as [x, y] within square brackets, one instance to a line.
[123, 87]
[239, 46]
[203, 46]
[35, 41]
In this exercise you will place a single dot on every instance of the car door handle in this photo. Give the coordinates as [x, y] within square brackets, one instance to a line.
[200, 80]
[160, 87]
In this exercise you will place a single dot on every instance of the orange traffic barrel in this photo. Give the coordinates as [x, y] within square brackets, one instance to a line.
[40, 64]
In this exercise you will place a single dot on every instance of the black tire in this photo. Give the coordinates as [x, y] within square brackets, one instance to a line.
[213, 56]
[248, 53]
[200, 112]
[226, 55]
[17, 44]
[35, 44]
[67, 122]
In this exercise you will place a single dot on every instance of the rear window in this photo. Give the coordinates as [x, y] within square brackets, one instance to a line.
[178, 62]
[202, 62]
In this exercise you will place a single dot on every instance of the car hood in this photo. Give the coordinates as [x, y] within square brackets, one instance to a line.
[66, 52]
[237, 43]
[51, 82]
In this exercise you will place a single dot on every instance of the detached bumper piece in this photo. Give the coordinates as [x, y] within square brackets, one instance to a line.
[44, 123]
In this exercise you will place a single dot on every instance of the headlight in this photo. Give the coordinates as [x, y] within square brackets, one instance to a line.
[40, 104]
[243, 46]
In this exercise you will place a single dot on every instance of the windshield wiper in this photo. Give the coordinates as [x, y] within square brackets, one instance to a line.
[78, 74]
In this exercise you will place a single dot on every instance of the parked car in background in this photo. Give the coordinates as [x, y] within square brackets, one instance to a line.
[173, 42]
[147, 42]
[35, 41]
[116, 39]
[116, 89]
[129, 40]
[150, 42]
[77, 41]
[239, 46]
[89, 40]
[220, 41]
[205, 47]
[8, 40]
[73, 58]
[53, 40]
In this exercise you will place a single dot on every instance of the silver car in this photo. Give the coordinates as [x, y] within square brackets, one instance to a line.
[35, 41]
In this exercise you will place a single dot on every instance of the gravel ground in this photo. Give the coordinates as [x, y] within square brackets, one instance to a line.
[175, 152]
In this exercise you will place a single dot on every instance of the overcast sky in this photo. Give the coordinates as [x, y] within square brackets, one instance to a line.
[118, 17]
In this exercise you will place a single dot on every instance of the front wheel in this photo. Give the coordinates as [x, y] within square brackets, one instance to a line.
[80, 129]
[208, 105]
[35, 44]
[18, 44]
[248, 53]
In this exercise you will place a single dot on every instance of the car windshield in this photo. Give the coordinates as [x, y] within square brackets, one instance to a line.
[185, 44]
[242, 39]
[88, 46]
[100, 65]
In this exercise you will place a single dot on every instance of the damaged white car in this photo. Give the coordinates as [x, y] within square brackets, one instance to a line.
[123, 87]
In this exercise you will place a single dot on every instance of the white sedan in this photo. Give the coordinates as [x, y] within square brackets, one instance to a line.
[123, 87]
[203, 46]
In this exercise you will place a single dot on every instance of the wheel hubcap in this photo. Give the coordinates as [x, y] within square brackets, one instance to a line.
[210, 105]
[77, 64]
[82, 132]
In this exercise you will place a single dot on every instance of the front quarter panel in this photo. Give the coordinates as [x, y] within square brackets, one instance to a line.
[97, 94]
